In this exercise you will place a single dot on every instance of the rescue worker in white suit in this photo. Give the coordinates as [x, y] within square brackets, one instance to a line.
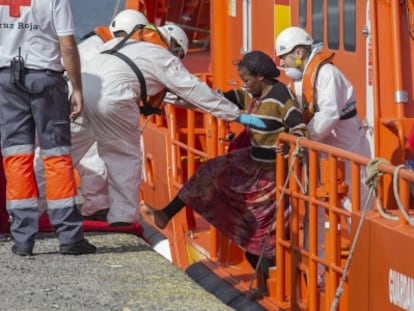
[328, 103]
[112, 115]
[91, 169]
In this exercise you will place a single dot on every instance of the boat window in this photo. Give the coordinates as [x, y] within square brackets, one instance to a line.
[317, 20]
[303, 13]
[333, 24]
[349, 21]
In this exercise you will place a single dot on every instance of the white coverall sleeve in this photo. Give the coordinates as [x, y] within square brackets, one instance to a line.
[171, 98]
[195, 92]
[329, 97]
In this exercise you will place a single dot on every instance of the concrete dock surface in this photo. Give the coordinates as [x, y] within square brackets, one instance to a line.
[125, 274]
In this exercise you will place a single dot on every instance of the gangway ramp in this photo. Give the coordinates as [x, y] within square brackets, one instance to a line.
[125, 274]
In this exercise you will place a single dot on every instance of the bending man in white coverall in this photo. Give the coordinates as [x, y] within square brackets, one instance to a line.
[112, 115]
[91, 168]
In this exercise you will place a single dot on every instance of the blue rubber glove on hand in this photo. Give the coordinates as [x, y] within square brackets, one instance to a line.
[250, 120]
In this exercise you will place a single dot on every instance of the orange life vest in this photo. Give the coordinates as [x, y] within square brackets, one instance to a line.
[148, 34]
[151, 34]
[308, 83]
[104, 33]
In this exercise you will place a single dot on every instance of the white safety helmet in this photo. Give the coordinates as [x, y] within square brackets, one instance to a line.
[126, 21]
[290, 38]
[177, 33]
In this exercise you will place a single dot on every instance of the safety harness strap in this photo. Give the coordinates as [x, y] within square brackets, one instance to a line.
[88, 35]
[349, 115]
[147, 109]
[136, 70]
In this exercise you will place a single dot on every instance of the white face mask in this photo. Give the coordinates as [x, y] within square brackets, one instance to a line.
[293, 73]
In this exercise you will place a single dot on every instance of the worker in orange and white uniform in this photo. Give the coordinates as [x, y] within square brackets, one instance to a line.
[34, 98]
[91, 169]
[112, 115]
[327, 99]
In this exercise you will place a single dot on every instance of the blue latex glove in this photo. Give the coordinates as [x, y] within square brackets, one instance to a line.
[250, 120]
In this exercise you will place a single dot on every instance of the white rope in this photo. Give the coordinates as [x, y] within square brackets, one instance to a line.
[116, 9]
[372, 182]
[373, 173]
[340, 290]
[299, 152]
[141, 129]
[397, 195]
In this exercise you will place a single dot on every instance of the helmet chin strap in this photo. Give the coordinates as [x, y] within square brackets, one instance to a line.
[177, 51]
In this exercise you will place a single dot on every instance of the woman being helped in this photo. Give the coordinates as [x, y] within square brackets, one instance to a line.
[236, 192]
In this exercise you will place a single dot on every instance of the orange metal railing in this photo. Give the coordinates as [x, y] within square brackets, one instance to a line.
[194, 137]
[321, 194]
[302, 263]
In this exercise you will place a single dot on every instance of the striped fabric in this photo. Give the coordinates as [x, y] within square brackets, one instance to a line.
[281, 114]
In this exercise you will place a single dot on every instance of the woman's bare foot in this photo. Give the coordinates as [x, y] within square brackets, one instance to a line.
[157, 217]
